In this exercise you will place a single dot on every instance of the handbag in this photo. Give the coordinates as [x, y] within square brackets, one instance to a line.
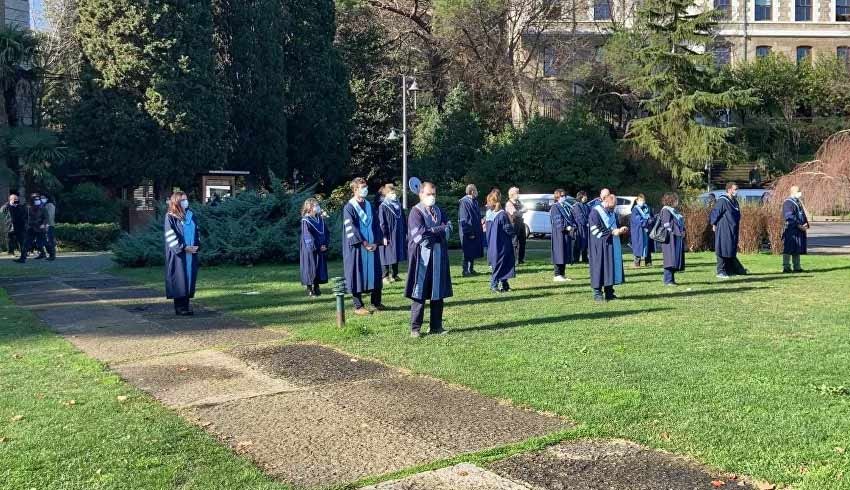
[659, 233]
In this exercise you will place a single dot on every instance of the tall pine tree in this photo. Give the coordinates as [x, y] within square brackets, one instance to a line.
[675, 76]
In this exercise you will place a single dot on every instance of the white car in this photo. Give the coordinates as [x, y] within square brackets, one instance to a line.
[624, 205]
[536, 217]
[745, 196]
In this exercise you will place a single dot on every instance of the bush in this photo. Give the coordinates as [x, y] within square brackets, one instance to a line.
[86, 237]
[698, 234]
[88, 203]
[758, 224]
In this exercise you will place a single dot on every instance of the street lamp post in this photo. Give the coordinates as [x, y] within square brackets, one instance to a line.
[405, 88]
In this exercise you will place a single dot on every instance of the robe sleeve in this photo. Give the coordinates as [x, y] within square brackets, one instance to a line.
[557, 218]
[173, 240]
[197, 233]
[507, 226]
[383, 220]
[419, 233]
[790, 213]
[717, 213]
[579, 217]
[597, 228]
[466, 220]
[307, 237]
[351, 231]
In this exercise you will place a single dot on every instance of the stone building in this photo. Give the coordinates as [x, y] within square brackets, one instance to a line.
[15, 12]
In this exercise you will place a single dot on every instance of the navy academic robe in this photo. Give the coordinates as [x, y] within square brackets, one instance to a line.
[605, 253]
[394, 229]
[640, 223]
[314, 262]
[794, 239]
[726, 216]
[179, 284]
[471, 233]
[428, 276]
[674, 248]
[362, 268]
[580, 216]
[500, 246]
[562, 240]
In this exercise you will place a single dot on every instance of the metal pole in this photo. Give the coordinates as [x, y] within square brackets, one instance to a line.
[404, 139]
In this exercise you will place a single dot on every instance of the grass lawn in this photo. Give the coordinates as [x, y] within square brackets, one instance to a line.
[748, 376]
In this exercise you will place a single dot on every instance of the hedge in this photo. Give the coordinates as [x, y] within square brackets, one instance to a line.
[86, 237]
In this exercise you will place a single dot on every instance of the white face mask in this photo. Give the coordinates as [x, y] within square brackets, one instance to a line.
[562, 200]
[184, 204]
[364, 191]
[640, 203]
[317, 209]
[37, 202]
[798, 195]
[392, 196]
[429, 200]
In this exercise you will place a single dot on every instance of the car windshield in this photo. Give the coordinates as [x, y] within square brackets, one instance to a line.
[538, 204]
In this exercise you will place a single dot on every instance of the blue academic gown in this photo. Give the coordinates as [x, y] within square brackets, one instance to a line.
[580, 217]
[362, 268]
[314, 262]
[181, 268]
[471, 234]
[794, 239]
[640, 224]
[562, 241]
[726, 216]
[428, 275]
[394, 229]
[605, 252]
[674, 248]
[500, 246]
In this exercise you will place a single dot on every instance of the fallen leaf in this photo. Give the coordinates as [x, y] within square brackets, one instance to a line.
[665, 436]
[40, 396]
[463, 473]
[16, 356]
[2, 440]
[17, 418]
[121, 398]
[69, 403]
[804, 470]
[718, 483]
[839, 450]
[183, 369]
[763, 485]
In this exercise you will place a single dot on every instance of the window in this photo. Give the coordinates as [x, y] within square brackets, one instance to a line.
[724, 6]
[602, 10]
[549, 68]
[764, 9]
[804, 54]
[803, 10]
[843, 53]
[842, 10]
[762, 51]
[722, 54]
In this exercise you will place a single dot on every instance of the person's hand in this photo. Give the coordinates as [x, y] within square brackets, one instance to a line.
[616, 231]
[365, 244]
[386, 242]
[569, 228]
[802, 227]
[714, 228]
[372, 248]
[191, 250]
[624, 229]
[323, 248]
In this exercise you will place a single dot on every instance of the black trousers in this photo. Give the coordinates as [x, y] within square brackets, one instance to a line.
[358, 298]
[579, 254]
[33, 239]
[393, 268]
[13, 242]
[730, 266]
[417, 314]
[560, 269]
[519, 242]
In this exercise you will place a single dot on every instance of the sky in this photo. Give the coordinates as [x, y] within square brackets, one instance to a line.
[35, 13]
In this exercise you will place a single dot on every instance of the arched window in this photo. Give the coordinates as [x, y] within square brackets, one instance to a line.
[804, 54]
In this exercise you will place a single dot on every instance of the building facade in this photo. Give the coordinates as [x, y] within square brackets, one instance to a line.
[15, 13]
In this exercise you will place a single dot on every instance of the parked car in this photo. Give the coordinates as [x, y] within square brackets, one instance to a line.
[624, 205]
[745, 196]
[536, 217]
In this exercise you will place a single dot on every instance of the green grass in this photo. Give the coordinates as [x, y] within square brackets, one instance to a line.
[98, 442]
[728, 373]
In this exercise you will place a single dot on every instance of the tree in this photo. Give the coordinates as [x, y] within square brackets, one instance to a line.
[676, 78]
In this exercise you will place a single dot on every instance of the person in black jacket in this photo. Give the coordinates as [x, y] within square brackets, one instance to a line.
[36, 227]
[15, 219]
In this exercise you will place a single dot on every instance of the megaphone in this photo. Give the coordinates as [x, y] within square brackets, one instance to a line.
[414, 184]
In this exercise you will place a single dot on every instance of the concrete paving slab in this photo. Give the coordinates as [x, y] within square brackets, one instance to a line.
[51, 298]
[130, 342]
[464, 476]
[608, 465]
[199, 378]
[87, 317]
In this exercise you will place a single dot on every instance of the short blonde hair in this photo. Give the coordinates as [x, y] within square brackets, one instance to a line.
[309, 205]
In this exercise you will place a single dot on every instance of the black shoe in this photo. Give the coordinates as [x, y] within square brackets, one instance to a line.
[317, 291]
[611, 297]
[396, 279]
[185, 312]
[799, 271]
[439, 331]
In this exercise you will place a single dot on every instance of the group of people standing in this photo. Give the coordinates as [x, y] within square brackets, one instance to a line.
[30, 227]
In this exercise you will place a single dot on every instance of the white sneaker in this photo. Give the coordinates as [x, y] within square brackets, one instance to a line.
[560, 279]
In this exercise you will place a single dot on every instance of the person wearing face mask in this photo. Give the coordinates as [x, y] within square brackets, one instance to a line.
[36, 224]
[606, 254]
[674, 248]
[725, 221]
[49, 237]
[641, 223]
[603, 194]
[500, 248]
[580, 212]
[471, 230]
[391, 219]
[15, 219]
[794, 236]
[428, 273]
[315, 239]
[361, 235]
[516, 210]
[182, 242]
[563, 225]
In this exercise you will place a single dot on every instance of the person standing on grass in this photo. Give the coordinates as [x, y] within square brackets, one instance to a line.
[674, 248]
[428, 273]
[561, 218]
[725, 221]
[606, 253]
[580, 213]
[49, 236]
[315, 239]
[794, 236]
[515, 211]
[393, 248]
[471, 230]
[14, 219]
[36, 224]
[500, 248]
[182, 242]
[361, 235]
[641, 222]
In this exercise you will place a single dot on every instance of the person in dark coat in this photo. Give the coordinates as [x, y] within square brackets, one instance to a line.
[516, 210]
[391, 219]
[182, 242]
[428, 274]
[725, 220]
[581, 213]
[361, 235]
[641, 222]
[674, 248]
[471, 230]
[14, 219]
[36, 224]
[606, 253]
[315, 239]
[563, 225]
[794, 236]
[500, 247]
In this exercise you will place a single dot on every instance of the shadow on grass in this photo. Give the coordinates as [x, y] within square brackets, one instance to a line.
[595, 315]
[687, 294]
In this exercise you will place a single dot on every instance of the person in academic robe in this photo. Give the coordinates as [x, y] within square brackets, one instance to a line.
[641, 223]
[725, 221]
[563, 225]
[393, 247]
[182, 243]
[674, 248]
[516, 210]
[794, 236]
[500, 247]
[315, 240]
[471, 230]
[361, 235]
[428, 275]
[606, 253]
[580, 212]
[604, 193]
